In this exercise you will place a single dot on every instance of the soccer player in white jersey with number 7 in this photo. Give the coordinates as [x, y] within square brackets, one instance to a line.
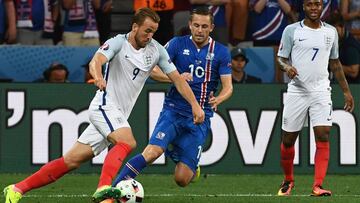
[130, 59]
[307, 48]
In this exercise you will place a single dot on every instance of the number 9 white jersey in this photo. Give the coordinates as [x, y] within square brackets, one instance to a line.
[309, 51]
[128, 70]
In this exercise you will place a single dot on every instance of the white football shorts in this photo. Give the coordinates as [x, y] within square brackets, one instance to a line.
[297, 107]
[103, 120]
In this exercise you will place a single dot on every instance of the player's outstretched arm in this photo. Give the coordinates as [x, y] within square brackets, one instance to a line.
[336, 68]
[184, 89]
[95, 67]
[158, 75]
[225, 93]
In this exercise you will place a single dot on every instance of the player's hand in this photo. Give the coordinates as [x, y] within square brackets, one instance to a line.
[198, 114]
[100, 83]
[213, 101]
[187, 76]
[349, 102]
[291, 72]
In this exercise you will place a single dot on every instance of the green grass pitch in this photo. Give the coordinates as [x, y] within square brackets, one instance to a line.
[78, 188]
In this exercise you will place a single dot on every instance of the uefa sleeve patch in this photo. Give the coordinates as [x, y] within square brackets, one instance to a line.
[104, 47]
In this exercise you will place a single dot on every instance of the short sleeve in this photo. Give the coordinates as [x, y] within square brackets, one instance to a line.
[165, 63]
[225, 63]
[112, 46]
[286, 42]
[334, 53]
[171, 48]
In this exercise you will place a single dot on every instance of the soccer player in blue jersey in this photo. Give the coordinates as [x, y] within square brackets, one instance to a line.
[208, 62]
[130, 59]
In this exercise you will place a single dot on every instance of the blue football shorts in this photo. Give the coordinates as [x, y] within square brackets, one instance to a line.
[181, 139]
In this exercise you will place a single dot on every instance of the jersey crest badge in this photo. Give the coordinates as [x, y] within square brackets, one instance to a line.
[327, 40]
[147, 60]
[210, 56]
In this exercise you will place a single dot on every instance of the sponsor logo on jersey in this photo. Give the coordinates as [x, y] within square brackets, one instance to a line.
[186, 52]
[300, 40]
[105, 47]
[169, 61]
[160, 135]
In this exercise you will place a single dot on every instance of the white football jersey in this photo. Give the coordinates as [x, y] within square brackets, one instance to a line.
[127, 71]
[309, 51]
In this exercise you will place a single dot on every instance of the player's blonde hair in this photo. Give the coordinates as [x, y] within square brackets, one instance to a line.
[143, 13]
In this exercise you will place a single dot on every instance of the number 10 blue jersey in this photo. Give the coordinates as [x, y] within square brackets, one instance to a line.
[206, 65]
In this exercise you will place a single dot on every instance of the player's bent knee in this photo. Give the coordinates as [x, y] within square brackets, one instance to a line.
[289, 139]
[183, 174]
[182, 181]
[131, 142]
[123, 137]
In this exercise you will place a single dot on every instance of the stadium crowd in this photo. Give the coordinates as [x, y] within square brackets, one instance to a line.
[238, 23]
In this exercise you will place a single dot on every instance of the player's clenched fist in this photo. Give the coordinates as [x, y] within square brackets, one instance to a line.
[291, 72]
[198, 114]
[100, 83]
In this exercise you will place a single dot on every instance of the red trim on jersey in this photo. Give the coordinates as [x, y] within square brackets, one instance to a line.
[209, 58]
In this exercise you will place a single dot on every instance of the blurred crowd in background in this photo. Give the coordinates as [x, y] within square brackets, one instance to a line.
[239, 24]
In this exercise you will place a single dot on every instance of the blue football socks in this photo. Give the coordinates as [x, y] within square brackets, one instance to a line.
[131, 169]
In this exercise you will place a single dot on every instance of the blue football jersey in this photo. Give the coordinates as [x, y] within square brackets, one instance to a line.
[206, 66]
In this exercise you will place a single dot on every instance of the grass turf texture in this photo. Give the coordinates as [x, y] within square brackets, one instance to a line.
[212, 188]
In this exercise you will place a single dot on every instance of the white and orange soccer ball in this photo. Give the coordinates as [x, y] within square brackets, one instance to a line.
[131, 191]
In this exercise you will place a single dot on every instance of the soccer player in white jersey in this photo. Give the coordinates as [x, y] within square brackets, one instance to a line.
[306, 49]
[130, 59]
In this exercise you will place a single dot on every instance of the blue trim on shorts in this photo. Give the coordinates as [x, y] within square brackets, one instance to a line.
[106, 118]
[104, 98]
[107, 71]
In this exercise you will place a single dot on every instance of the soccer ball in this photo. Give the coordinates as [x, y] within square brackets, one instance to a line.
[131, 191]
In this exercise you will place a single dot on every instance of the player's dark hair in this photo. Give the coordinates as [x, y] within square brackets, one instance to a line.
[55, 66]
[307, 0]
[143, 13]
[202, 10]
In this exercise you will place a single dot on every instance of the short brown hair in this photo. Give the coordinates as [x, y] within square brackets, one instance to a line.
[143, 13]
[202, 10]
